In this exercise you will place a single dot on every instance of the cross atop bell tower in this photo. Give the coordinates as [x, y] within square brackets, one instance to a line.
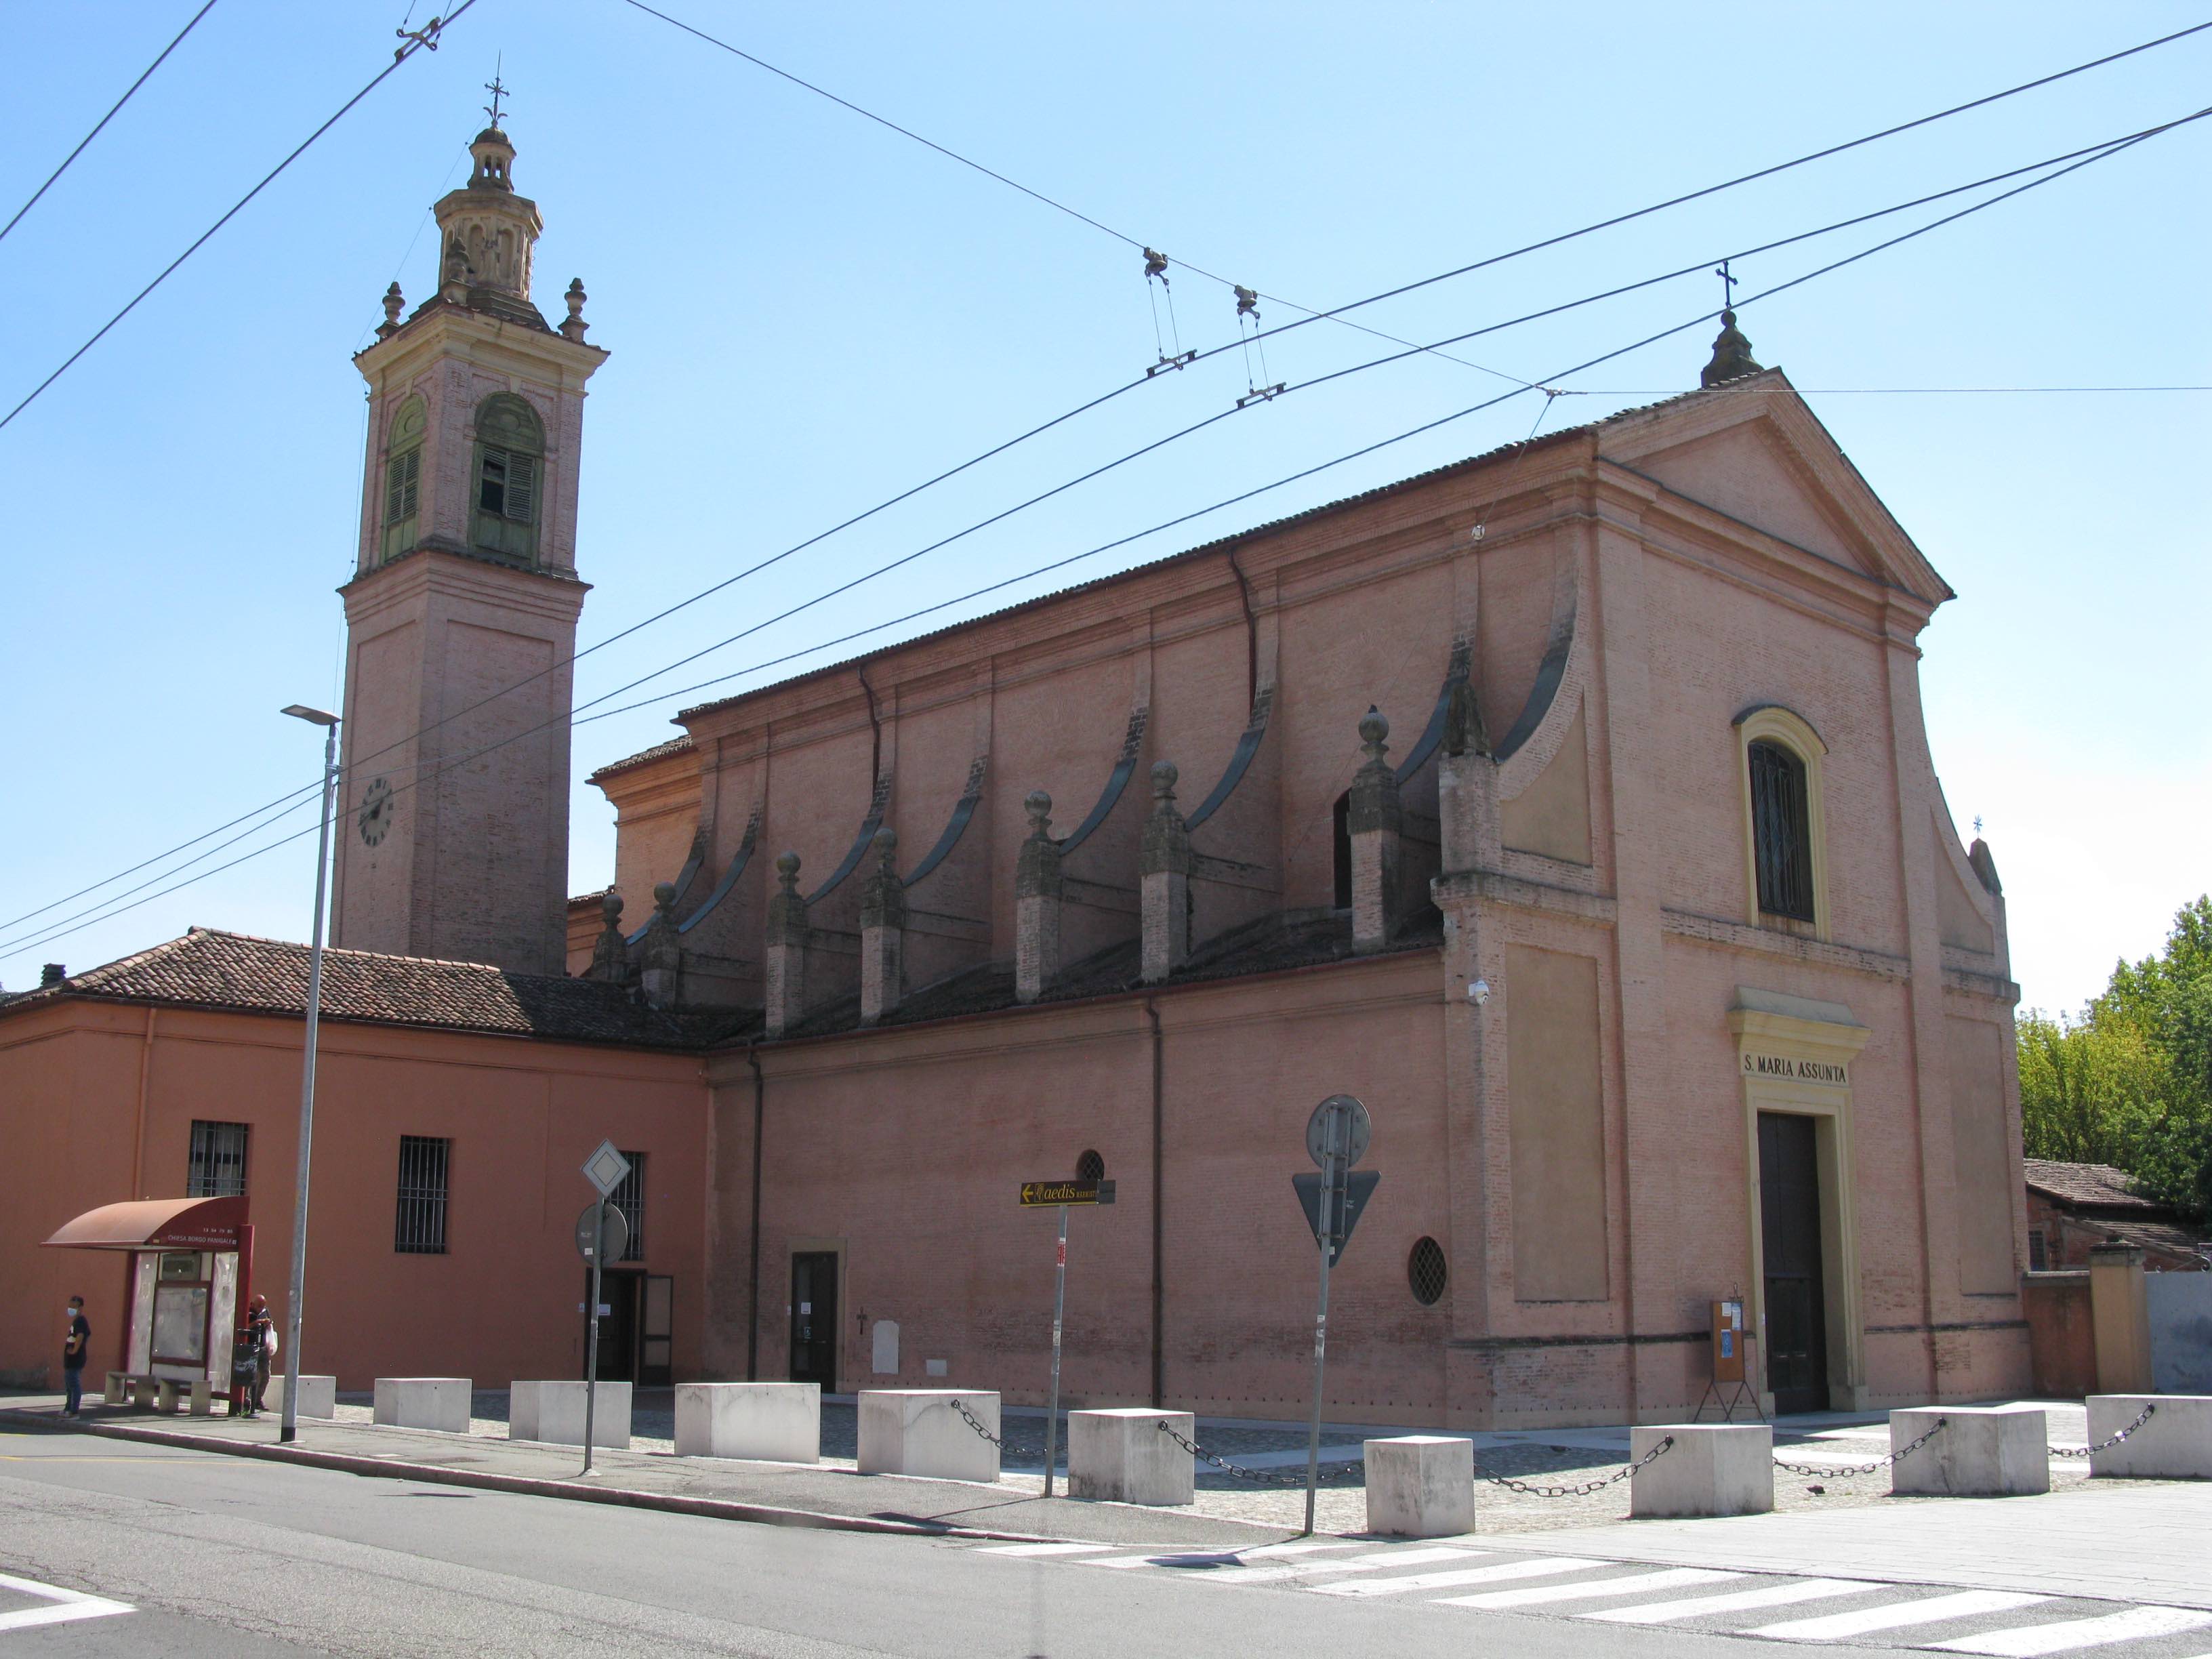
[461, 614]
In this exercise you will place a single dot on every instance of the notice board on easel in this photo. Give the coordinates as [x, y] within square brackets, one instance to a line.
[1727, 1341]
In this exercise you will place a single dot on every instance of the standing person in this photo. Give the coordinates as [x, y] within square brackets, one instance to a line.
[73, 1348]
[262, 1332]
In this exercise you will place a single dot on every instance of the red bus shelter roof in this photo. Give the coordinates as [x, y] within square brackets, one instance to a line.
[158, 1223]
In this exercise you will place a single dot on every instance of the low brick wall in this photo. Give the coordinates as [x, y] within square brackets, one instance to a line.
[2062, 1345]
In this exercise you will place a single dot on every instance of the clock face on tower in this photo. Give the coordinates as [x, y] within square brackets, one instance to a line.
[376, 811]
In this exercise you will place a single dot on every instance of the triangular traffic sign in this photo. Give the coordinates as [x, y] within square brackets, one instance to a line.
[1359, 1187]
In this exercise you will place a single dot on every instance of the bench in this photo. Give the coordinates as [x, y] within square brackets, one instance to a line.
[157, 1393]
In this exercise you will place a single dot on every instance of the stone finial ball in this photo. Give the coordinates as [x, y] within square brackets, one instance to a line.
[1038, 805]
[610, 903]
[1163, 777]
[885, 839]
[786, 864]
[663, 893]
[1373, 727]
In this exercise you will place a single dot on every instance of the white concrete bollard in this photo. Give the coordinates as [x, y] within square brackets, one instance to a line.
[318, 1395]
[1420, 1485]
[1119, 1455]
[424, 1402]
[1983, 1451]
[2175, 1444]
[1712, 1469]
[554, 1413]
[768, 1422]
[916, 1431]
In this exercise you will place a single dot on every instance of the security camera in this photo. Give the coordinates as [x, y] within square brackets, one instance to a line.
[1478, 991]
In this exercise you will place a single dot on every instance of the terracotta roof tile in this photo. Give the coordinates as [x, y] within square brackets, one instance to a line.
[643, 757]
[2099, 1185]
[210, 969]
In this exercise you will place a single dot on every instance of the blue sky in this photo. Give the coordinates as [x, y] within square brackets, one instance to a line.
[808, 313]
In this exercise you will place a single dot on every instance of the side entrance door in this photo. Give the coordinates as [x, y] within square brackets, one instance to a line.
[618, 1324]
[814, 1319]
[1789, 1228]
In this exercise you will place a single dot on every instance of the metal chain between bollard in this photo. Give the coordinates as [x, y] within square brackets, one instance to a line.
[976, 1423]
[1261, 1477]
[1829, 1471]
[1583, 1489]
[2105, 1445]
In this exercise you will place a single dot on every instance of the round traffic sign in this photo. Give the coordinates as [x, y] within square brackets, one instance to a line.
[616, 1238]
[1343, 1121]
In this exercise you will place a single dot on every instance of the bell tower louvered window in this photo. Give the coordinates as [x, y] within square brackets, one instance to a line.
[510, 467]
[403, 479]
[1781, 832]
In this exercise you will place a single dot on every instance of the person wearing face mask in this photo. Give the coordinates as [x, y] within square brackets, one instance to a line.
[73, 1348]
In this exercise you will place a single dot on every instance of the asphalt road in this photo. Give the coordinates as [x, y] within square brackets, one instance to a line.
[220, 1555]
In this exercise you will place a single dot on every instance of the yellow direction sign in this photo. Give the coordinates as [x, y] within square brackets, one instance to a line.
[1047, 1194]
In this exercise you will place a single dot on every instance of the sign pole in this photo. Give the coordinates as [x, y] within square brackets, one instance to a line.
[1059, 1309]
[1331, 1203]
[591, 1341]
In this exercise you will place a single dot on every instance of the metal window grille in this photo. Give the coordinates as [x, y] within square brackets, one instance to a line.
[216, 1165]
[629, 1197]
[1090, 1167]
[1426, 1271]
[420, 1228]
[2038, 1251]
[1781, 838]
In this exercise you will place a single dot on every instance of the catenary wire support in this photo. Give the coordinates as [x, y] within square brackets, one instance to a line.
[1825, 1470]
[1580, 1489]
[425, 36]
[1260, 1477]
[2106, 1445]
[1156, 270]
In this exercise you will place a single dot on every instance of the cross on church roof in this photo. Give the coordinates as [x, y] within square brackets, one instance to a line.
[497, 92]
[1727, 285]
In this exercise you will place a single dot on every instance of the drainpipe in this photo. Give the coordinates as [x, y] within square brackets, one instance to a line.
[1159, 1389]
[138, 1132]
[752, 1276]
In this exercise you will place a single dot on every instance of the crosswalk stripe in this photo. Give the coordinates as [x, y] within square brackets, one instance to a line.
[1398, 1558]
[1769, 1595]
[1044, 1549]
[1541, 1567]
[1967, 1604]
[1185, 1559]
[1304, 1546]
[2026, 1641]
[1634, 1584]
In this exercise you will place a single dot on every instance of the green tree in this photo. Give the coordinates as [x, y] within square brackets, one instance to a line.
[2130, 1083]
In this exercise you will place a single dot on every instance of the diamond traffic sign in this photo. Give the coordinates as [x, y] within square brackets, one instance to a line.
[606, 1168]
[1359, 1187]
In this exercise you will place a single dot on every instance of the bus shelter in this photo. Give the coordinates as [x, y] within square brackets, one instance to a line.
[192, 1266]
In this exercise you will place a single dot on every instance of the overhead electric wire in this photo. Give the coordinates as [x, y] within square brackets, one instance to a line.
[1336, 315]
[2078, 159]
[435, 27]
[103, 121]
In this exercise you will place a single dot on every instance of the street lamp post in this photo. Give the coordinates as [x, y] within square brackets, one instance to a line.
[288, 1426]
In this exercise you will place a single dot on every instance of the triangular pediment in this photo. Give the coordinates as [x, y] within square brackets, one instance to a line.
[1753, 452]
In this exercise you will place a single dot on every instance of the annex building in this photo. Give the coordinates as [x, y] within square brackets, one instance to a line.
[1572, 806]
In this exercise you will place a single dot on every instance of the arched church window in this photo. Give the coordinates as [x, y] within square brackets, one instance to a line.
[510, 479]
[1785, 854]
[403, 477]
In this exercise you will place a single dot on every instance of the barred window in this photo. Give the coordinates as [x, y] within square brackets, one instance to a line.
[2038, 1251]
[629, 1197]
[1426, 1271]
[420, 1228]
[215, 1167]
[1090, 1167]
[1782, 838]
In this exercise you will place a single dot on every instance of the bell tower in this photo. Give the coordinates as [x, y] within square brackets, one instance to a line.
[461, 613]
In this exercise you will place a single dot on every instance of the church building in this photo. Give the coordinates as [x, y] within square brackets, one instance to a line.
[1570, 806]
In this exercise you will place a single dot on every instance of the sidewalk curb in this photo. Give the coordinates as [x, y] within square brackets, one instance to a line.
[719, 1509]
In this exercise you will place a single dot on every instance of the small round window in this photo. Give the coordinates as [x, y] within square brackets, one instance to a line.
[1424, 1271]
[1090, 1167]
